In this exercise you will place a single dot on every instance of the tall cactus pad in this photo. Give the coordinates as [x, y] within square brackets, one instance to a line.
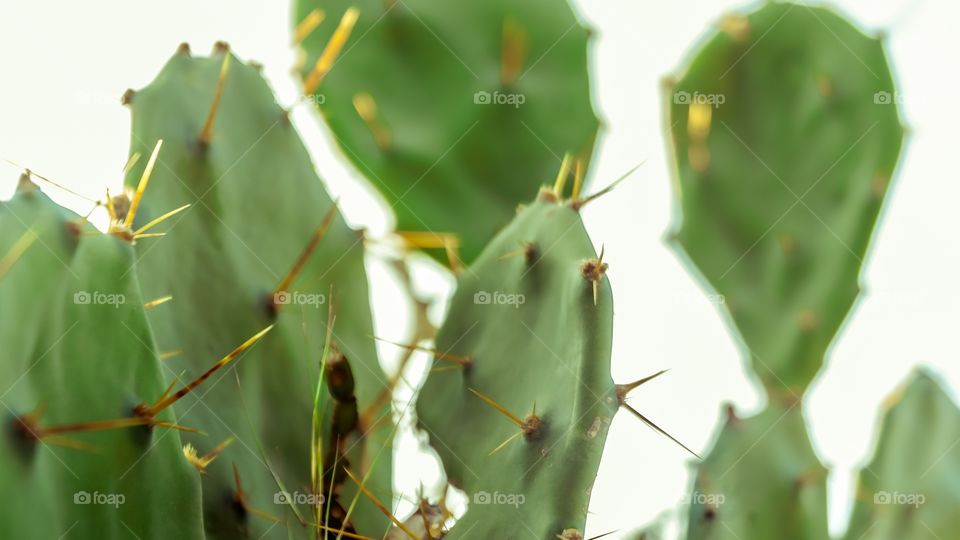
[761, 480]
[81, 352]
[909, 490]
[786, 136]
[531, 334]
[257, 204]
[456, 111]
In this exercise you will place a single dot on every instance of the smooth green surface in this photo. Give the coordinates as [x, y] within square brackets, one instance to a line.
[761, 481]
[256, 202]
[779, 199]
[553, 349]
[83, 362]
[910, 490]
[455, 165]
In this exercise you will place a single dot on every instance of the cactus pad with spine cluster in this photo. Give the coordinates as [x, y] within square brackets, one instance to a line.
[259, 215]
[529, 332]
[79, 360]
[783, 158]
[412, 102]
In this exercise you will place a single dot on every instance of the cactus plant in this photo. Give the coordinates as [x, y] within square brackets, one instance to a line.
[785, 144]
[261, 244]
[455, 112]
[81, 357]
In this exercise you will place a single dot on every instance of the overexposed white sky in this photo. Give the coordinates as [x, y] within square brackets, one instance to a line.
[65, 65]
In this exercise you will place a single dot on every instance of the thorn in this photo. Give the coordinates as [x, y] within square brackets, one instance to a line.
[464, 361]
[32, 174]
[512, 51]
[369, 112]
[308, 25]
[141, 187]
[207, 131]
[201, 462]
[504, 444]
[624, 389]
[17, 250]
[562, 175]
[500, 408]
[577, 179]
[331, 51]
[127, 97]
[301, 261]
[580, 203]
[241, 498]
[170, 354]
[131, 161]
[152, 410]
[376, 502]
[157, 302]
[148, 235]
[428, 240]
[161, 219]
[657, 428]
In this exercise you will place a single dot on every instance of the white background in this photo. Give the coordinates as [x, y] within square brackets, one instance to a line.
[65, 64]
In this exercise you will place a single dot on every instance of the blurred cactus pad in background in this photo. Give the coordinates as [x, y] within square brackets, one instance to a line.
[205, 365]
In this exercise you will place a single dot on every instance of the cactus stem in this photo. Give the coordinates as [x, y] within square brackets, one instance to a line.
[17, 250]
[140, 232]
[207, 131]
[376, 502]
[331, 51]
[624, 389]
[157, 302]
[512, 50]
[577, 204]
[308, 25]
[657, 428]
[368, 111]
[161, 404]
[315, 239]
[562, 175]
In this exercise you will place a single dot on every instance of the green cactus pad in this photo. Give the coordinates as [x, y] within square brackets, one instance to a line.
[909, 491]
[761, 480]
[785, 135]
[443, 161]
[81, 352]
[256, 204]
[530, 333]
